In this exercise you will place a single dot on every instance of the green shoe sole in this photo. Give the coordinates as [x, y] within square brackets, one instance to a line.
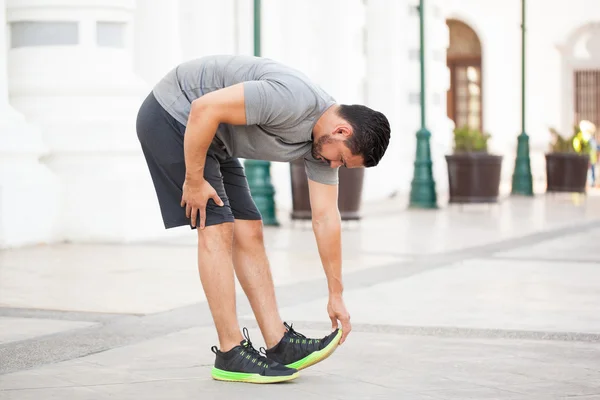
[220, 375]
[317, 356]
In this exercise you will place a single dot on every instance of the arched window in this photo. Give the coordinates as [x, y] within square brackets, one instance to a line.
[464, 101]
[581, 77]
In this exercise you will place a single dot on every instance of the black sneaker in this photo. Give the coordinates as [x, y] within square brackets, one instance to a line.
[244, 363]
[297, 351]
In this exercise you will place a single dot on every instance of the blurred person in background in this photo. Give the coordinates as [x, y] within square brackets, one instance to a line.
[585, 142]
[595, 148]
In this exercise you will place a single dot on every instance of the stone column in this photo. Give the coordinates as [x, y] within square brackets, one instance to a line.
[209, 27]
[389, 41]
[28, 189]
[71, 72]
[158, 44]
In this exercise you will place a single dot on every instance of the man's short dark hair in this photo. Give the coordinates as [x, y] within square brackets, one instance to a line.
[371, 132]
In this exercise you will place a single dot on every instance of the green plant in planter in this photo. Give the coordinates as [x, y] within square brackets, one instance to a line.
[576, 143]
[473, 173]
[567, 162]
[469, 140]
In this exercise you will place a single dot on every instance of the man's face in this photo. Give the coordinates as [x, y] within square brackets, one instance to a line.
[332, 149]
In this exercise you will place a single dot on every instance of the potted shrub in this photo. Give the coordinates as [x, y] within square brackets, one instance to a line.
[567, 162]
[473, 173]
[349, 198]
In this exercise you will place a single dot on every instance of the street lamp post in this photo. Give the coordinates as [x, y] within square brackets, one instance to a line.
[522, 182]
[422, 192]
[258, 172]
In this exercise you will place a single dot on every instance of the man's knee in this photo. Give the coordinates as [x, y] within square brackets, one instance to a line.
[248, 234]
[216, 238]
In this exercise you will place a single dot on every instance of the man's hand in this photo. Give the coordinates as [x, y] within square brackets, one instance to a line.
[337, 312]
[195, 197]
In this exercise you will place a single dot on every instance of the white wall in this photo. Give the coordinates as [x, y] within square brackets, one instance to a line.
[549, 28]
[394, 86]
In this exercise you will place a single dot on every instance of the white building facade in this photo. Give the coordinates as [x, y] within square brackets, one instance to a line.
[74, 73]
[562, 69]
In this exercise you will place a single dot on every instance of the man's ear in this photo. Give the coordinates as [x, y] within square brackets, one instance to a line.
[344, 129]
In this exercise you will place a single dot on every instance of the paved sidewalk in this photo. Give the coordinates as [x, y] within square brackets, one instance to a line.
[481, 302]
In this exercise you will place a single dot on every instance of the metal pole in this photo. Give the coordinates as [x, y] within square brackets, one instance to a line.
[257, 27]
[422, 60]
[522, 182]
[522, 66]
[258, 172]
[422, 193]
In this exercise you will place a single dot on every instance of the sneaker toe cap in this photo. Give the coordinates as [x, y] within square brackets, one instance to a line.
[329, 338]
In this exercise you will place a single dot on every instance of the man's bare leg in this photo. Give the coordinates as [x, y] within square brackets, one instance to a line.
[254, 274]
[215, 265]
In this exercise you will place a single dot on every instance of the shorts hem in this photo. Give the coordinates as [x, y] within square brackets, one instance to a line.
[249, 218]
[187, 223]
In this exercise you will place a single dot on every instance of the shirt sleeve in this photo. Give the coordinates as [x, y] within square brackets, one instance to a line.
[320, 171]
[277, 103]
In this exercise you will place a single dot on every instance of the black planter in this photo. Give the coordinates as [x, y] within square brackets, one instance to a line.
[474, 177]
[566, 172]
[349, 197]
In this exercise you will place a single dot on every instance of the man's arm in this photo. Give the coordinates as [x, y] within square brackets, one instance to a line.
[327, 225]
[207, 112]
[327, 228]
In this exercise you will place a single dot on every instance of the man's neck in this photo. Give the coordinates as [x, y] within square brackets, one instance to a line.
[325, 122]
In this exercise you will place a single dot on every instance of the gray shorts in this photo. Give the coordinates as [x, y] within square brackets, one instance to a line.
[161, 138]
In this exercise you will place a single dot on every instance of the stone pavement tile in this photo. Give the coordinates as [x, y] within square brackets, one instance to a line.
[170, 356]
[390, 228]
[481, 294]
[63, 393]
[369, 365]
[482, 393]
[99, 278]
[70, 373]
[356, 386]
[32, 379]
[570, 362]
[426, 364]
[582, 246]
[177, 355]
[13, 329]
[459, 227]
[206, 388]
[294, 265]
[516, 374]
[556, 388]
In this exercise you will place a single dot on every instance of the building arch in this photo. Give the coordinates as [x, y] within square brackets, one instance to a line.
[464, 61]
[581, 76]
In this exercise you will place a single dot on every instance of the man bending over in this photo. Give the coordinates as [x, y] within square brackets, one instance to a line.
[192, 127]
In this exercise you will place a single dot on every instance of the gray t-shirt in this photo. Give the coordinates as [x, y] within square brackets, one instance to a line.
[282, 108]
